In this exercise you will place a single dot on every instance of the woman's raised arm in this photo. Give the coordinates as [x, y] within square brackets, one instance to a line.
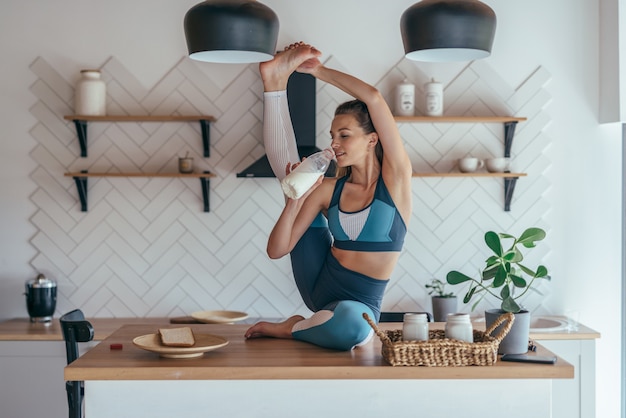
[395, 156]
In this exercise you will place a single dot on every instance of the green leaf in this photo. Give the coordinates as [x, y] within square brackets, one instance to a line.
[456, 277]
[518, 281]
[509, 305]
[500, 278]
[468, 295]
[542, 271]
[505, 292]
[505, 235]
[490, 273]
[493, 241]
[492, 260]
[528, 237]
[513, 256]
[510, 255]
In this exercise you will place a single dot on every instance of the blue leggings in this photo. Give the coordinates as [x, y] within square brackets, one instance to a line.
[324, 284]
[344, 330]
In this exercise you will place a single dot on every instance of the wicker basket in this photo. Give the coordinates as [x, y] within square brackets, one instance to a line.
[442, 351]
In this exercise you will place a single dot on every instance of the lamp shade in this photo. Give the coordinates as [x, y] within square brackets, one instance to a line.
[448, 30]
[231, 31]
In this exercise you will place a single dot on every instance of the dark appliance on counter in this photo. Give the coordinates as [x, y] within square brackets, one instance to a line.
[301, 97]
[41, 298]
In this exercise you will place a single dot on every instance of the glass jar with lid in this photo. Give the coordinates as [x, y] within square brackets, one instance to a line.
[459, 327]
[415, 327]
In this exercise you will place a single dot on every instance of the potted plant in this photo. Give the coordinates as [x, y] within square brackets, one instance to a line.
[505, 278]
[443, 302]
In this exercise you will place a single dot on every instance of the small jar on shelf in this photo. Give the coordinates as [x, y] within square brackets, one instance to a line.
[90, 94]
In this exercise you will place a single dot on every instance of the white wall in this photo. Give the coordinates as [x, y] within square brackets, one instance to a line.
[561, 36]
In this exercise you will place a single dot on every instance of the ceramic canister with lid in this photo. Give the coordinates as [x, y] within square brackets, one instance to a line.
[90, 94]
[459, 327]
[433, 92]
[415, 327]
[405, 99]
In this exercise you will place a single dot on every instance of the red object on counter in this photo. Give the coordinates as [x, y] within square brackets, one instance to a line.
[116, 346]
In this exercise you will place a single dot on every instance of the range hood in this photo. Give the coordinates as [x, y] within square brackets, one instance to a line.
[301, 98]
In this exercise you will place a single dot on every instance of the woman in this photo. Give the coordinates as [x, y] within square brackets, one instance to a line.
[368, 207]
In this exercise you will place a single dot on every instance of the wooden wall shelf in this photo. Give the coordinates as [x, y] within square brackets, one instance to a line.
[87, 174]
[80, 121]
[458, 119]
[505, 175]
[510, 122]
[80, 178]
[510, 179]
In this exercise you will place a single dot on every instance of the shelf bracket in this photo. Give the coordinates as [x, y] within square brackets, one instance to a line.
[206, 137]
[205, 184]
[509, 132]
[509, 188]
[81, 186]
[81, 131]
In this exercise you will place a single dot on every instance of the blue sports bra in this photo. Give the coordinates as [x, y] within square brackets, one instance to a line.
[384, 228]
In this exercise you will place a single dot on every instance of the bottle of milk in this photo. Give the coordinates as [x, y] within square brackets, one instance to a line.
[306, 174]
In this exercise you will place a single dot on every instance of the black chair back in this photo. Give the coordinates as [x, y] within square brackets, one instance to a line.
[75, 330]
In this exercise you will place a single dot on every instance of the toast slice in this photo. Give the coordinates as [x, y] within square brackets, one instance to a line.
[177, 337]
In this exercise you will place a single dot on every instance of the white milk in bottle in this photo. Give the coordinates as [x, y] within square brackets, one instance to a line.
[300, 180]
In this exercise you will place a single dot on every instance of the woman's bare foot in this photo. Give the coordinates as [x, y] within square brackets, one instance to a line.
[273, 329]
[275, 73]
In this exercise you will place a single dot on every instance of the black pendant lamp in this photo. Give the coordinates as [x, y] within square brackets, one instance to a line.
[231, 31]
[448, 30]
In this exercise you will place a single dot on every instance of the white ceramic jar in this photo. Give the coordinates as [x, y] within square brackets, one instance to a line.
[433, 92]
[459, 327]
[90, 94]
[415, 327]
[405, 99]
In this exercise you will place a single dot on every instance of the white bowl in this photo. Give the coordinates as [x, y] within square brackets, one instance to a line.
[497, 165]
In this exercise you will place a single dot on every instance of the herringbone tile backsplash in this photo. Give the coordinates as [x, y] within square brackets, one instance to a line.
[146, 248]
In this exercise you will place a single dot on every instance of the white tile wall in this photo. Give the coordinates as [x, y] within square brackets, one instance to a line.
[146, 248]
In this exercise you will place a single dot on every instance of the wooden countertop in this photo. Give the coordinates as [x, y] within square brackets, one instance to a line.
[21, 329]
[268, 358]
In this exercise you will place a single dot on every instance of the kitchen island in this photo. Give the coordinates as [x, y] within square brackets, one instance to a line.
[275, 378]
[25, 346]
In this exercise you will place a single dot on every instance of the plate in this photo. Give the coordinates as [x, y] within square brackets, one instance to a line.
[204, 343]
[219, 317]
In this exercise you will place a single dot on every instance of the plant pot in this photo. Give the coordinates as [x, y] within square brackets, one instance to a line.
[516, 341]
[442, 307]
